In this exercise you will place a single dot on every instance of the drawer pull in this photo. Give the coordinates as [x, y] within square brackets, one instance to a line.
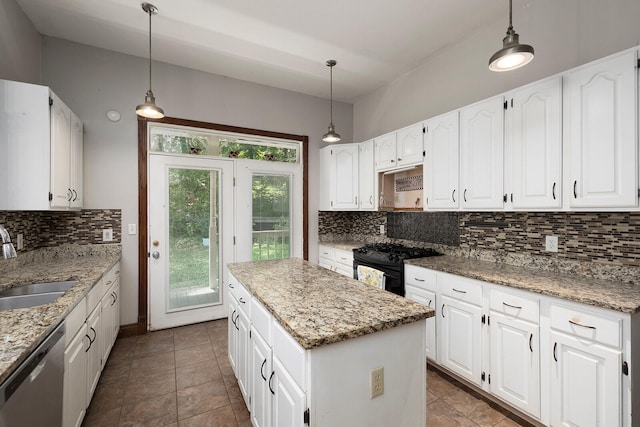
[460, 292]
[530, 340]
[512, 306]
[584, 326]
[231, 286]
[108, 283]
[241, 301]
[261, 368]
[555, 356]
[418, 280]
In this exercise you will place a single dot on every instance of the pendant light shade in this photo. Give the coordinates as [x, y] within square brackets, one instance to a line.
[331, 135]
[513, 54]
[149, 109]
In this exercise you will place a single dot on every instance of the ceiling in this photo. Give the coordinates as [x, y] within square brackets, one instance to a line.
[280, 43]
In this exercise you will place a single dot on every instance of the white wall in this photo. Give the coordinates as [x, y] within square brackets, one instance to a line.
[92, 81]
[564, 34]
[19, 45]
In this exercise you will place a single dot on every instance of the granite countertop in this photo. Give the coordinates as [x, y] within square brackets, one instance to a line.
[22, 330]
[622, 297]
[345, 245]
[319, 307]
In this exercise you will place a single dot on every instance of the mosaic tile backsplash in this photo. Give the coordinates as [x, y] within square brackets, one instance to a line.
[50, 229]
[611, 238]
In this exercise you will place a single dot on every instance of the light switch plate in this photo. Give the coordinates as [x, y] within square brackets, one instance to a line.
[132, 229]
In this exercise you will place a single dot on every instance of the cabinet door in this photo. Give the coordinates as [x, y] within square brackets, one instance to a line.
[260, 372]
[410, 147]
[601, 122]
[460, 340]
[367, 178]
[515, 362]
[60, 153]
[244, 354]
[233, 334]
[386, 151]
[427, 298]
[288, 398]
[75, 380]
[94, 353]
[106, 324]
[326, 181]
[481, 154]
[115, 319]
[441, 162]
[345, 180]
[585, 383]
[76, 161]
[534, 141]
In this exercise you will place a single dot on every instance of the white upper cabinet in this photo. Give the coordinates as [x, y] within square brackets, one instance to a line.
[481, 154]
[367, 176]
[534, 145]
[601, 119]
[441, 162]
[339, 177]
[386, 151]
[41, 150]
[325, 184]
[410, 147]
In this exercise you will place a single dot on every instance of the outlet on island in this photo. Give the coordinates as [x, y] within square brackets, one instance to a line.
[377, 382]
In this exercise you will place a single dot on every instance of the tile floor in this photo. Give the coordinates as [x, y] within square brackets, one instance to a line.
[182, 377]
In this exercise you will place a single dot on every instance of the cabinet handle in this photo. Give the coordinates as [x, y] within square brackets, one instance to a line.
[442, 311]
[231, 286]
[453, 193]
[392, 161]
[464, 195]
[236, 322]
[418, 280]
[555, 357]
[108, 283]
[512, 306]
[69, 195]
[261, 368]
[241, 301]
[115, 298]
[90, 342]
[371, 200]
[399, 159]
[530, 340]
[511, 197]
[460, 292]
[575, 193]
[584, 326]
[504, 197]
[270, 389]
[356, 200]
[75, 195]
[553, 191]
[95, 335]
[429, 304]
[232, 313]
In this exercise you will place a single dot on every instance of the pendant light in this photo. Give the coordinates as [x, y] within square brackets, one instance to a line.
[513, 54]
[331, 136]
[149, 109]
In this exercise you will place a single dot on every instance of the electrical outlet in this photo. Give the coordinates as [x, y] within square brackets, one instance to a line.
[19, 241]
[132, 229]
[382, 229]
[551, 243]
[377, 382]
[107, 234]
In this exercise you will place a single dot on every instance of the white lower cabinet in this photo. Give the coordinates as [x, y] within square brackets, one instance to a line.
[288, 398]
[261, 368]
[90, 340]
[558, 362]
[244, 353]
[338, 260]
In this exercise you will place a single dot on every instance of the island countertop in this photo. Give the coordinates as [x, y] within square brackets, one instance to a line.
[318, 306]
[609, 294]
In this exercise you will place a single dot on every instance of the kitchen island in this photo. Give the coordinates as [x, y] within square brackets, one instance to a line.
[307, 345]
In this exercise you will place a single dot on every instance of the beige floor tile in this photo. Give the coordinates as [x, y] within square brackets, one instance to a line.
[147, 365]
[462, 401]
[106, 397]
[220, 417]
[157, 411]
[161, 344]
[191, 339]
[115, 373]
[201, 398]
[198, 373]
[440, 414]
[147, 387]
[194, 354]
[506, 422]
[485, 416]
[122, 351]
[438, 385]
[241, 412]
[102, 418]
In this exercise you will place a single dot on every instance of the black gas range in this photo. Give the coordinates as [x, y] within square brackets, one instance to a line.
[388, 258]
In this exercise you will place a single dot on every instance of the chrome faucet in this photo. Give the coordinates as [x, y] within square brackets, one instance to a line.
[7, 247]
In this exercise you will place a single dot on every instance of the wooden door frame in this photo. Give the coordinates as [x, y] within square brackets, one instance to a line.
[143, 214]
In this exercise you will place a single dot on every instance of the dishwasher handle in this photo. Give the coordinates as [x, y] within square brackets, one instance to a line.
[32, 367]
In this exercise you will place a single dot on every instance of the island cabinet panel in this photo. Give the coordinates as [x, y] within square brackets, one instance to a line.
[303, 373]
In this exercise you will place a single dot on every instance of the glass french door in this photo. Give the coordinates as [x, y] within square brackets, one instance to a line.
[190, 238]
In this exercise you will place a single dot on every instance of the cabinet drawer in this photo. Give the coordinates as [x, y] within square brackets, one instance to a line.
[344, 257]
[74, 321]
[111, 276]
[261, 320]
[244, 299]
[583, 324]
[94, 296]
[290, 353]
[463, 289]
[233, 286]
[420, 277]
[326, 252]
[515, 306]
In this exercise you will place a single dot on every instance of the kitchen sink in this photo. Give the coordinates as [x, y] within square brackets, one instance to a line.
[26, 301]
[38, 288]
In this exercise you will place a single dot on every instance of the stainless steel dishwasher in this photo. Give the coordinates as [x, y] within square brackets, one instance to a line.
[32, 395]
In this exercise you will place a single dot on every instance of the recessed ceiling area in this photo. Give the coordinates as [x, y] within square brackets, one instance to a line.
[280, 43]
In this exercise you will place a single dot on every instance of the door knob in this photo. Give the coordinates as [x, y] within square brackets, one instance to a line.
[155, 254]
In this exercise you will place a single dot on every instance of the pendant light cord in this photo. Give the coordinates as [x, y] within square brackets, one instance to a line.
[331, 94]
[149, 50]
[510, 16]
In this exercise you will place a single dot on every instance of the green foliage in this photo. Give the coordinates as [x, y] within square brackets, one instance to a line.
[189, 202]
[244, 150]
[189, 263]
[179, 144]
